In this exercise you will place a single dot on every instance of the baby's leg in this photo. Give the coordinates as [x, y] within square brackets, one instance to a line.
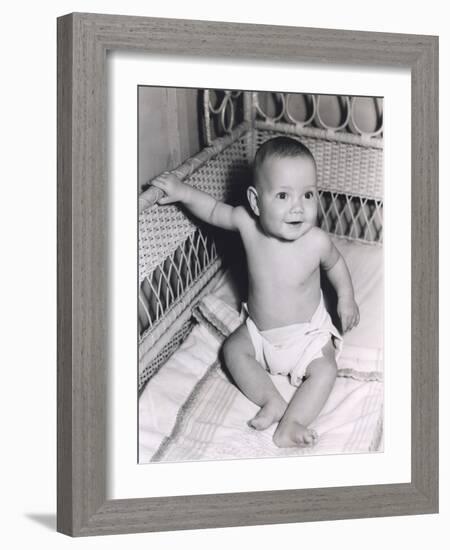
[252, 379]
[308, 401]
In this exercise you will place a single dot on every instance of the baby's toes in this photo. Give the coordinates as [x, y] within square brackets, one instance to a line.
[310, 438]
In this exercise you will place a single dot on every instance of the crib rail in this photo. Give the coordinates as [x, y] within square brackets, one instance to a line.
[319, 133]
[223, 118]
[315, 120]
[178, 257]
[157, 341]
[151, 195]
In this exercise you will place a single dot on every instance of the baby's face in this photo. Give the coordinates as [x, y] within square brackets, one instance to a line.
[287, 197]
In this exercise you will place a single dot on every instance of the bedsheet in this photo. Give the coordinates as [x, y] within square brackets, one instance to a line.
[191, 410]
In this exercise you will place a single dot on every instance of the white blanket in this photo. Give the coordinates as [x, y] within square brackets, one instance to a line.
[190, 410]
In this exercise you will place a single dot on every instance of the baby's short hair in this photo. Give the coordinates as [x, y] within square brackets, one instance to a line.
[280, 147]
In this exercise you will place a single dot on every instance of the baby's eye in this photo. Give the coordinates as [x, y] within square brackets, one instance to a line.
[309, 195]
[282, 195]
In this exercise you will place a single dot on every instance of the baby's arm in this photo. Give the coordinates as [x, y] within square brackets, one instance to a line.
[200, 204]
[334, 264]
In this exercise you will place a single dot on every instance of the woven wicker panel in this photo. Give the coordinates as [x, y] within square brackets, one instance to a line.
[350, 216]
[161, 229]
[342, 167]
[172, 279]
[178, 256]
[152, 368]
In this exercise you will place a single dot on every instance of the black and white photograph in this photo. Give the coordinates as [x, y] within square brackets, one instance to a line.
[261, 277]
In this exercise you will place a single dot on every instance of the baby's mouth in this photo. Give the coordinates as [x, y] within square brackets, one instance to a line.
[295, 223]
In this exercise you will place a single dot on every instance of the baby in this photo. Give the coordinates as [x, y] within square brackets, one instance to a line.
[287, 329]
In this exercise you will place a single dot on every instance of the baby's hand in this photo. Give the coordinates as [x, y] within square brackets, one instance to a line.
[173, 188]
[348, 312]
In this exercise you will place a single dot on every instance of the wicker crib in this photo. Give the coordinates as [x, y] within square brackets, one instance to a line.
[180, 259]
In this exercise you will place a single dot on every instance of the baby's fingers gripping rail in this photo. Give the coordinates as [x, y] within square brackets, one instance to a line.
[152, 194]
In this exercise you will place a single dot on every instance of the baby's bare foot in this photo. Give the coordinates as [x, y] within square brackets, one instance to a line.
[294, 435]
[268, 415]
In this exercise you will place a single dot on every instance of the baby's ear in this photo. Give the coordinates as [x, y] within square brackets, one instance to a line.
[252, 197]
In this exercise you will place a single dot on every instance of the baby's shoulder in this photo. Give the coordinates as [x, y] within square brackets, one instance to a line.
[320, 240]
[319, 236]
[244, 221]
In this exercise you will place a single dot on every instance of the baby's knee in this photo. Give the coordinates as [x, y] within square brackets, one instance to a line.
[231, 349]
[228, 347]
[235, 346]
[325, 368]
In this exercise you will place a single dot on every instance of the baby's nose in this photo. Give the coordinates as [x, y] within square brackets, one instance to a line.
[297, 206]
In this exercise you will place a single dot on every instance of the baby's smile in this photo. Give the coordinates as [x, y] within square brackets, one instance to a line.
[294, 223]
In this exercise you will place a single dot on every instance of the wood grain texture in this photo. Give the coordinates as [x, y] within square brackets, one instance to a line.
[83, 206]
[424, 280]
[64, 251]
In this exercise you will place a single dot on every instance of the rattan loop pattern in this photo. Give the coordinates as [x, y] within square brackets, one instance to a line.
[260, 111]
[300, 123]
[322, 124]
[223, 116]
[355, 127]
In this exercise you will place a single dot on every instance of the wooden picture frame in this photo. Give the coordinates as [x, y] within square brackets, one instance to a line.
[83, 41]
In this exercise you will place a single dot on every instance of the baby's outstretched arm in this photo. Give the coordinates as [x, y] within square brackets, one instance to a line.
[334, 264]
[200, 204]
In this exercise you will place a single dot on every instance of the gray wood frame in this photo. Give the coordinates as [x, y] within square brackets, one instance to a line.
[83, 40]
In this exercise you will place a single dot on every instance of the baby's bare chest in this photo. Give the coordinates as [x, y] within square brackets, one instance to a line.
[285, 264]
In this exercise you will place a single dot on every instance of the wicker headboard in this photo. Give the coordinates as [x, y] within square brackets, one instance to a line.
[178, 257]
